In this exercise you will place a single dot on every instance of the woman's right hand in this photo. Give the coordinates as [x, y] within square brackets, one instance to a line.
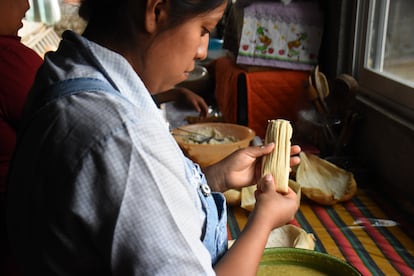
[272, 208]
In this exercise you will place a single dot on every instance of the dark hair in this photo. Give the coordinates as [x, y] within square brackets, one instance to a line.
[184, 9]
[126, 16]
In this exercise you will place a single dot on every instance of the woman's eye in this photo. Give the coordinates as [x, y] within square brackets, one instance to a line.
[205, 31]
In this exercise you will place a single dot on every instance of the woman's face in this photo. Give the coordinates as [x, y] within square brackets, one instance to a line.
[12, 13]
[171, 54]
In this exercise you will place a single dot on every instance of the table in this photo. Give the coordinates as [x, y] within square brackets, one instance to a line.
[367, 232]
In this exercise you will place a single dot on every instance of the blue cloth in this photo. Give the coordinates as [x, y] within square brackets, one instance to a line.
[214, 205]
[98, 185]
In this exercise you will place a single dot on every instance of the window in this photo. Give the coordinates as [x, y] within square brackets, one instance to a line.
[384, 61]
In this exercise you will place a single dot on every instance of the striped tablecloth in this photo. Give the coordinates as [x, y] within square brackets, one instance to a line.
[367, 232]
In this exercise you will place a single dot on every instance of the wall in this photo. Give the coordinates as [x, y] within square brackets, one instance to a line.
[386, 143]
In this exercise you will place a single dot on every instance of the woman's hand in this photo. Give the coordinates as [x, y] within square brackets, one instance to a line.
[272, 210]
[196, 101]
[186, 95]
[242, 168]
[284, 206]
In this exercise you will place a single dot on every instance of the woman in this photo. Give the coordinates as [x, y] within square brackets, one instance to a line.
[98, 184]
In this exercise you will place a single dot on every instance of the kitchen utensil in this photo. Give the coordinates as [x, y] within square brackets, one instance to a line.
[314, 97]
[320, 83]
[315, 79]
[345, 134]
[324, 89]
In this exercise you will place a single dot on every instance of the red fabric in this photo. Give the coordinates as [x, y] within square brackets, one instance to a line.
[271, 94]
[274, 95]
[18, 66]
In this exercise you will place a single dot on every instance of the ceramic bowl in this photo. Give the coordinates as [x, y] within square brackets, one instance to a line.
[298, 262]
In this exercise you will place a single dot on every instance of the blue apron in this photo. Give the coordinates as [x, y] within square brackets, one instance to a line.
[214, 235]
[213, 204]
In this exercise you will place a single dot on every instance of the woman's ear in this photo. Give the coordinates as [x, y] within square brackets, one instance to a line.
[156, 14]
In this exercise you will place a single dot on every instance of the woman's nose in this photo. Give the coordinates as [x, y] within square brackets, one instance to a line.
[202, 49]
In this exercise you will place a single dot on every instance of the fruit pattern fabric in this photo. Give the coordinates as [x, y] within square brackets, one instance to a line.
[279, 35]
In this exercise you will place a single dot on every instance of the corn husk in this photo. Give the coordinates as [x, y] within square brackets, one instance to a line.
[289, 235]
[278, 161]
[324, 182]
[247, 197]
[233, 197]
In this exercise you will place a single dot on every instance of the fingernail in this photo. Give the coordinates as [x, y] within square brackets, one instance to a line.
[268, 177]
